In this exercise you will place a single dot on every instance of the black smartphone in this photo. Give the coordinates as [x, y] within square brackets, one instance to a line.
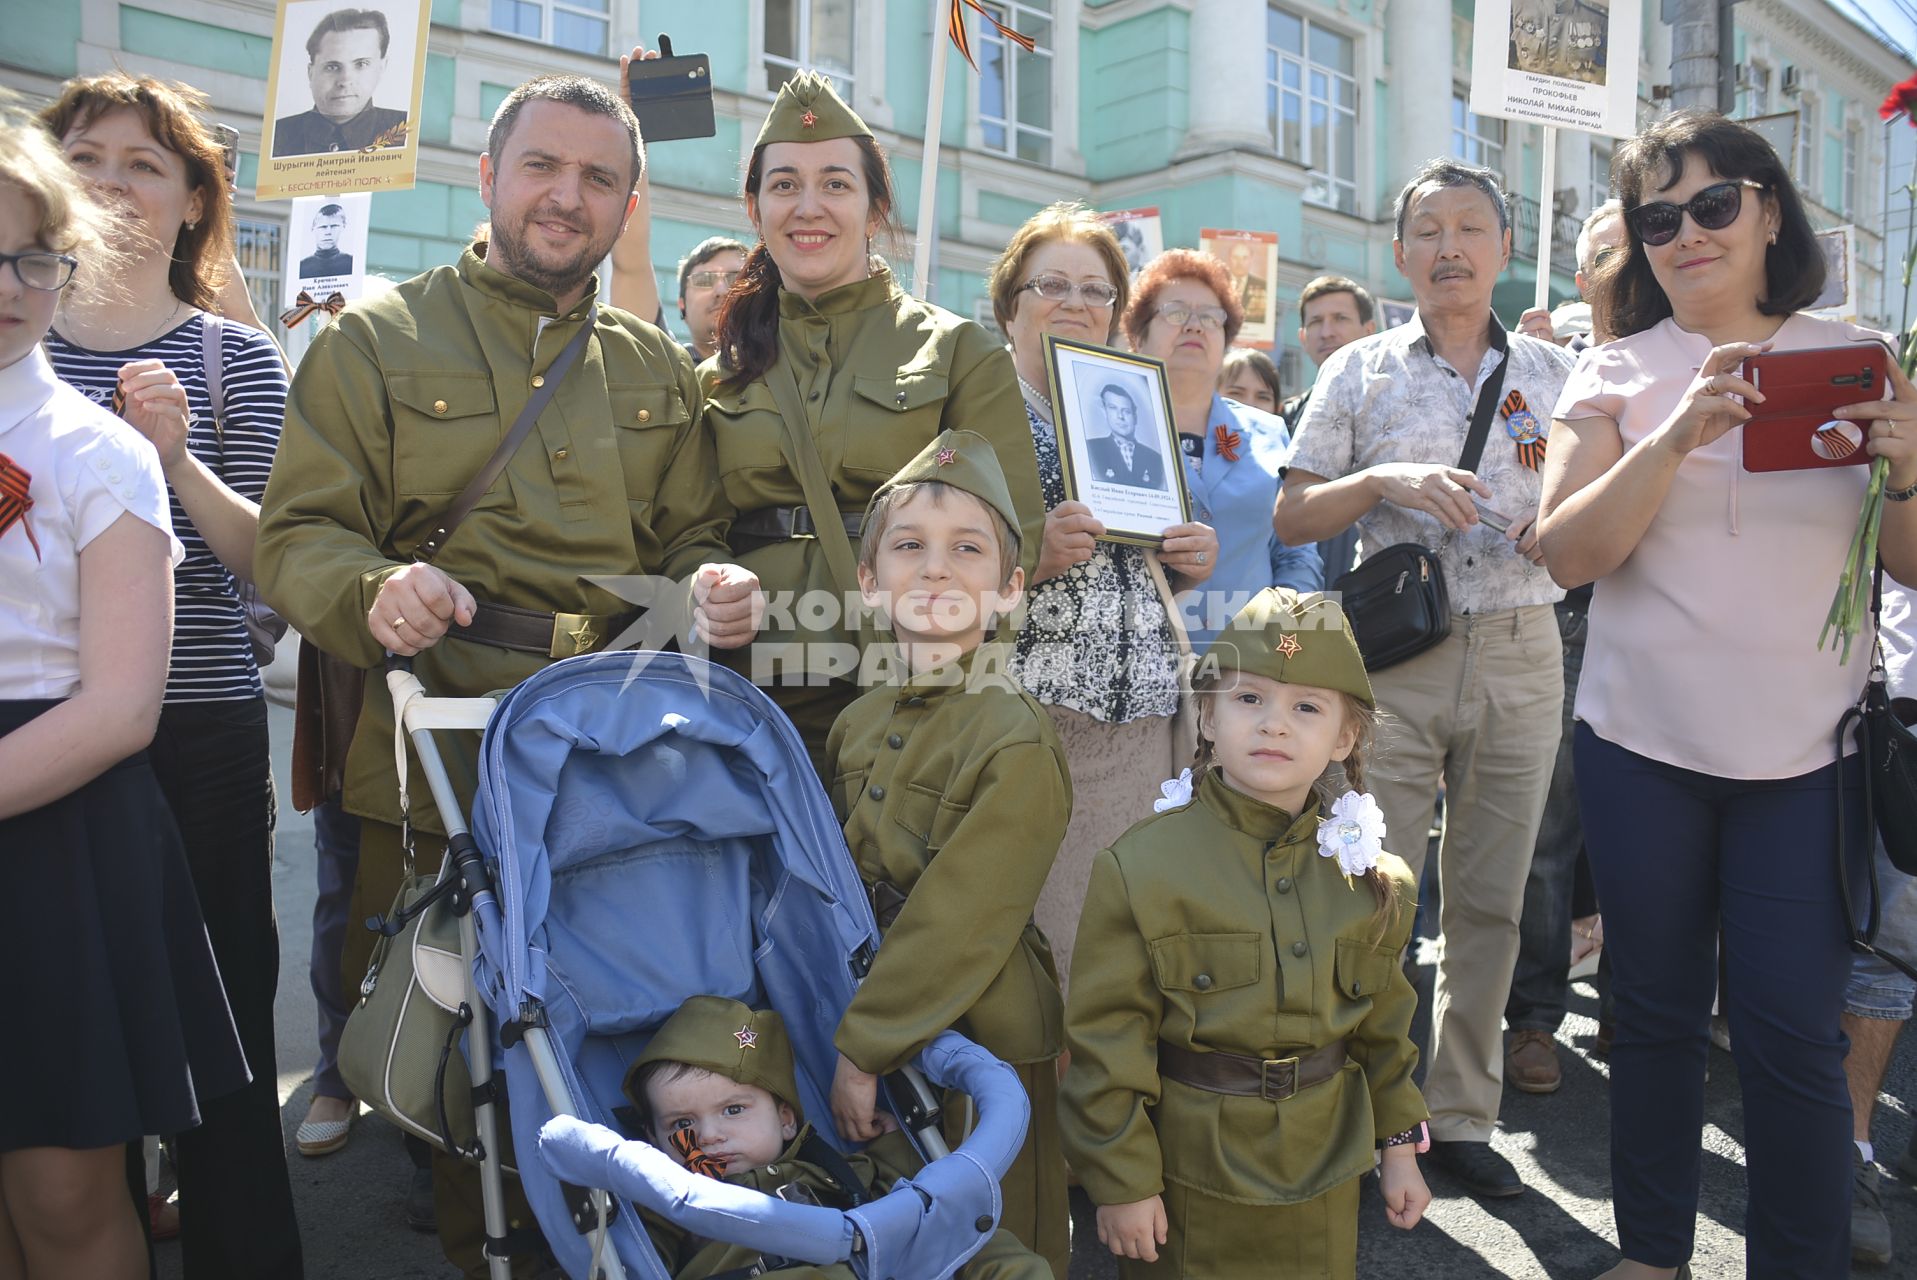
[672, 95]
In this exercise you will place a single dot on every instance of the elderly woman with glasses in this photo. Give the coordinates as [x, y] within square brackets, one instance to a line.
[1706, 766]
[1185, 312]
[1097, 649]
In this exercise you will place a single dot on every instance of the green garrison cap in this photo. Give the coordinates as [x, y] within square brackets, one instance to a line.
[1295, 639]
[726, 1038]
[965, 460]
[809, 109]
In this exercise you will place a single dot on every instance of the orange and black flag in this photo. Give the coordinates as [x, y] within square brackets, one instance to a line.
[956, 26]
[1525, 430]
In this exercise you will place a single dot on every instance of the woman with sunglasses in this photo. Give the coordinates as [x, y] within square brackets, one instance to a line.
[1186, 313]
[1097, 648]
[1706, 714]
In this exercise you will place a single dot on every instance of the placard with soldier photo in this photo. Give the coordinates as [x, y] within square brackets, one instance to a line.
[1117, 439]
[1141, 235]
[1568, 63]
[326, 246]
[343, 97]
[1251, 260]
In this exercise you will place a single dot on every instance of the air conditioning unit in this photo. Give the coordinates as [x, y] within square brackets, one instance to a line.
[1792, 81]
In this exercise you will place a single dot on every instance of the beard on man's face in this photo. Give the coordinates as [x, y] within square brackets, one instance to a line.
[558, 276]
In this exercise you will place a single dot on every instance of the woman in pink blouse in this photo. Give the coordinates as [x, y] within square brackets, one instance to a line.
[1704, 748]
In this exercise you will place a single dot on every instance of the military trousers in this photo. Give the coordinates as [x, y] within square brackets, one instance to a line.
[1480, 714]
[1212, 1239]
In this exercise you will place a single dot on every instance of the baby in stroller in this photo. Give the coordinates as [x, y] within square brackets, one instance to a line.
[716, 1088]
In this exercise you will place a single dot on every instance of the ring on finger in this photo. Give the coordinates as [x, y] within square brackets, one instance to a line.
[399, 621]
[1201, 557]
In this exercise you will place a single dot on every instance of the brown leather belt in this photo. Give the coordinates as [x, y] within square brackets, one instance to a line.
[556, 635]
[777, 524]
[1273, 1079]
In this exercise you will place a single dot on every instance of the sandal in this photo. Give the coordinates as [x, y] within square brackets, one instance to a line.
[323, 1137]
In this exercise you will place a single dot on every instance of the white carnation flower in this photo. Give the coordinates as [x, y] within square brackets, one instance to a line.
[1353, 834]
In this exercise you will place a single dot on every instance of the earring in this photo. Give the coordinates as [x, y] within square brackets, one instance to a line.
[1773, 237]
[194, 226]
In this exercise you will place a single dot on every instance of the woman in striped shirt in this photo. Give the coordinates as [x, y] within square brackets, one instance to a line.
[144, 148]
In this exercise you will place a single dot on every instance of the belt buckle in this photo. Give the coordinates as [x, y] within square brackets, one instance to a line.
[1289, 1069]
[574, 634]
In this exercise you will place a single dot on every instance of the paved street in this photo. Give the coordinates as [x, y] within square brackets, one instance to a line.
[349, 1203]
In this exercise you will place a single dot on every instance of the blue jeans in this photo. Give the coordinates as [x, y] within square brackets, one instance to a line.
[1679, 856]
[1541, 976]
[336, 844]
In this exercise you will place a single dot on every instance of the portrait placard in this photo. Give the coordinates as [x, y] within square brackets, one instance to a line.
[342, 98]
[1392, 313]
[1567, 63]
[1113, 416]
[1251, 259]
[1141, 234]
[326, 246]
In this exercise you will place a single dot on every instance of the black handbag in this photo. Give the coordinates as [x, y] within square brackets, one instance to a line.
[1880, 725]
[1396, 601]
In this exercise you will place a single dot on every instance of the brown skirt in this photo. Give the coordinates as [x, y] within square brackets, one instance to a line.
[1213, 1239]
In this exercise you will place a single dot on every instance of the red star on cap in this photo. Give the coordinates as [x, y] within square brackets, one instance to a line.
[808, 120]
[946, 457]
[748, 1038]
[1288, 646]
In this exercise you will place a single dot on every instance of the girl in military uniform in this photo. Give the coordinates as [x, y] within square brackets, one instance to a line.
[828, 379]
[1239, 1026]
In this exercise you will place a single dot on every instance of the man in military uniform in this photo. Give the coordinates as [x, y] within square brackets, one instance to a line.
[345, 58]
[1120, 457]
[953, 790]
[400, 403]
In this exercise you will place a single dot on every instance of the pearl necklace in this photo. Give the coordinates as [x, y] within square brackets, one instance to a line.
[1034, 394]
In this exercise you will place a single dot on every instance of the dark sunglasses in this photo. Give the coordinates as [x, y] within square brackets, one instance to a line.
[1713, 208]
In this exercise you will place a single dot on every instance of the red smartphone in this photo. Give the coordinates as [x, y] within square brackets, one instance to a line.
[1794, 429]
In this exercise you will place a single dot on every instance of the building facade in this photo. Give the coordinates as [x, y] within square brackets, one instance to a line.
[1301, 117]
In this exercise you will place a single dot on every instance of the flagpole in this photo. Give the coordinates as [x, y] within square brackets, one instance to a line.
[1547, 216]
[929, 177]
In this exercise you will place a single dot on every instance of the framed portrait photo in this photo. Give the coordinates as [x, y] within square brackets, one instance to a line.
[1116, 439]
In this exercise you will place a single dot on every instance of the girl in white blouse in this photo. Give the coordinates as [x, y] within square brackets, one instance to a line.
[125, 1025]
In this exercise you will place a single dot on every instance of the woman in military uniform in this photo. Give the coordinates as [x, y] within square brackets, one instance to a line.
[1239, 1026]
[828, 379]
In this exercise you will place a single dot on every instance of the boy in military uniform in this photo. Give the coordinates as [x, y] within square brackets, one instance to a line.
[954, 795]
[718, 1091]
[1239, 1023]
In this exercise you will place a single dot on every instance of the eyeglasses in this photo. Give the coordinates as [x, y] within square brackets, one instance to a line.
[1713, 209]
[713, 279]
[46, 271]
[1096, 293]
[1210, 319]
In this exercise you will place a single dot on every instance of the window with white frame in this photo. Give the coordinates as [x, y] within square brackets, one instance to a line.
[1311, 104]
[1806, 139]
[1757, 90]
[814, 34]
[1600, 175]
[581, 25]
[1853, 168]
[260, 247]
[1015, 87]
[1476, 139]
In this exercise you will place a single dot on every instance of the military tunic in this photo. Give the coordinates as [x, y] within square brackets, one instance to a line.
[1218, 926]
[881, 374]
[954, 792]
[792, 1177]
[399, 403]
[310, 133]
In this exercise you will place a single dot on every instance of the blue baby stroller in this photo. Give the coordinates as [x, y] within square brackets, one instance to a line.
[647, 828]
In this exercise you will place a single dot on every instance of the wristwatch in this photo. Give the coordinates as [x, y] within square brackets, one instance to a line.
[1901, 495]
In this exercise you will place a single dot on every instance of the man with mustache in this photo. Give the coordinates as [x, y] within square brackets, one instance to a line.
[345, 58]
[1380, 443]
[402, 402]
